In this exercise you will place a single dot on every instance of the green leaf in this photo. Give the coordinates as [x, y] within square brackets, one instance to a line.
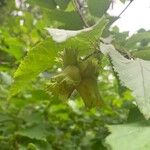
[38, 59]
[134, 74]
[35, 126]
[42, 56]
[15, 47]
[136, 38]
[50, 4]
[62, 3]
[98, 7]
[80, 39]
[133, 136]
[134, 115]
[37, 132]
[60, 19]
[143, 54]
[5, 117]
[35, 145]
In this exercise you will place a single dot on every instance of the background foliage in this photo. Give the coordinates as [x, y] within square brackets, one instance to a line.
[33, 118]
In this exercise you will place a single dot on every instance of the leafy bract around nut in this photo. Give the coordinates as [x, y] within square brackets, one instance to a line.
[89, 68]
[70, 57]
[77, 75]
[64, 83]
[88, 87]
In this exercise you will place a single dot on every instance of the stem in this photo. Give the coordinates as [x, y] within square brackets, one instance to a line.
[125, 8]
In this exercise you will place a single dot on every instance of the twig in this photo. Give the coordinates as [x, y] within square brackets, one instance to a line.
[125, 8]
[77, 5]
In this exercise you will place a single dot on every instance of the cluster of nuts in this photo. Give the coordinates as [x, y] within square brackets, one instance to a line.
[77, 75]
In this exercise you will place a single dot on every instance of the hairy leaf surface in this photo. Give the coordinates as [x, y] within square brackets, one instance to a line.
[133, 136]
[134, 74]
